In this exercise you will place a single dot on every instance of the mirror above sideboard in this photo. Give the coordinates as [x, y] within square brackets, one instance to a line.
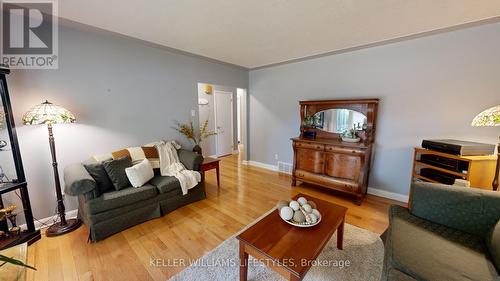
[339, 120]
[329, 119]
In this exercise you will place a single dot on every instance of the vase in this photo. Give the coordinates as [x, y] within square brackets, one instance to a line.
[197, 149]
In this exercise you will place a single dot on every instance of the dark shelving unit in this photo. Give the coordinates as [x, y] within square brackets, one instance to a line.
[19, 183]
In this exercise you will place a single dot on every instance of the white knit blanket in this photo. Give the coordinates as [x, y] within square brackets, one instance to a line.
[171, 166]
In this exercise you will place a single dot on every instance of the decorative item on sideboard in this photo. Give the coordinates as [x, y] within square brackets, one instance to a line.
[351, 135]
[49, 114]
[490, 118]
[309, 124]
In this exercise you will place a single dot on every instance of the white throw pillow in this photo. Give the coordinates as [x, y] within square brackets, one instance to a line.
[140, 173]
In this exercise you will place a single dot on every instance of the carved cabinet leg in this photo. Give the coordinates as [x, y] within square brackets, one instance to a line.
[359, 200]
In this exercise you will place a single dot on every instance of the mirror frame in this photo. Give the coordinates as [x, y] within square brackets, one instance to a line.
[368, 107]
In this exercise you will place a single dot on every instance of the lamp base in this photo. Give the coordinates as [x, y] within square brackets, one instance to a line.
[497, 171]
[57, 229]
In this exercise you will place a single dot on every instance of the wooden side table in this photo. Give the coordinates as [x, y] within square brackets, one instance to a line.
[209, 164]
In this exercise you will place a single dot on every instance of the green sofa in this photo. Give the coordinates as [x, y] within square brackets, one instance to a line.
[114, 211]
[447, 233]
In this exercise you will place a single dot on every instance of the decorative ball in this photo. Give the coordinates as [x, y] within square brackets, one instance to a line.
[281, 204]
[313, 205]
[313, 218]
[286, 213]
[316, 213]
[302, 201]
[294, 205]
[299, 217]
[307, 208]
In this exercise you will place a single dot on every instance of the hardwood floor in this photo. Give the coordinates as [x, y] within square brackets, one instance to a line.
[245, 194]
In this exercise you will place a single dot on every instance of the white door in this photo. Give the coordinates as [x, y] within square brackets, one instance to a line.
[224, 122]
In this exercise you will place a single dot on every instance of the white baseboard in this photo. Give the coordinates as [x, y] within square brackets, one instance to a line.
[371, 190]
[244, 162]
[263, 165]
[48, 221]
[388, 194]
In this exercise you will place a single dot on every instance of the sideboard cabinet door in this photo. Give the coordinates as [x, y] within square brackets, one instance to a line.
[310, 160]
[343, 166]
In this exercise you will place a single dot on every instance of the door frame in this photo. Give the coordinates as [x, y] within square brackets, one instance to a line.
[243, 93]
[216, 92]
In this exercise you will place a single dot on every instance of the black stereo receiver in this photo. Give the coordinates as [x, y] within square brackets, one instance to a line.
[457, 147]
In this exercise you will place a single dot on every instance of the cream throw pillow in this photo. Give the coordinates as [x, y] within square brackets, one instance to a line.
[140, 173]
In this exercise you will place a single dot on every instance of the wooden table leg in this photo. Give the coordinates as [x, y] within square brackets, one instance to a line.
[217, 171]
[340, 235]
[243, 263]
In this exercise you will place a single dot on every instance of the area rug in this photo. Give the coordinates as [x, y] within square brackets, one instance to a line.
[361, 259]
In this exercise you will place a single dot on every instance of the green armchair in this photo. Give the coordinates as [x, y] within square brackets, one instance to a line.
[447, 233]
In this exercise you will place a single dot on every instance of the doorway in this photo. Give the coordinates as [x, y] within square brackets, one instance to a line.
[224, 108]
[224, 122]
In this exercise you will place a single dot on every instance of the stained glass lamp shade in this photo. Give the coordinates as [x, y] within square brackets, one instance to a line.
[48, 113]
[490, 118]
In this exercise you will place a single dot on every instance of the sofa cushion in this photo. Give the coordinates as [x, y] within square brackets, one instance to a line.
[140, 173]
[165, 184]
[98, 173]
[430, 251]
[493, 244]
[116, 171]
[120, 198]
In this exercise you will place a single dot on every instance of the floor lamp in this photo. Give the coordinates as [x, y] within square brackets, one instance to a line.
[490, 118]
[49, 114]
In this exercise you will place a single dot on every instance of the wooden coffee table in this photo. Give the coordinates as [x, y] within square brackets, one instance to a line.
[287, 249]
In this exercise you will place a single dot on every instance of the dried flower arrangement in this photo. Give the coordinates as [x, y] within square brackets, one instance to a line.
[188, 131]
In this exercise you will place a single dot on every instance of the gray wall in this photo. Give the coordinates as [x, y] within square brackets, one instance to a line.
[429, 87]
[123, 93]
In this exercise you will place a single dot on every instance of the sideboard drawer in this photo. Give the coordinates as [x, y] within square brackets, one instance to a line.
[344, 150]
[309, 145]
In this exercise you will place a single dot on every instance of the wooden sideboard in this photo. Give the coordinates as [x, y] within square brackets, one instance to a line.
[327, 160]
[333, 164]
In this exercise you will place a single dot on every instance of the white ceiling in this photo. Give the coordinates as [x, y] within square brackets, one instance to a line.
[255, 33]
